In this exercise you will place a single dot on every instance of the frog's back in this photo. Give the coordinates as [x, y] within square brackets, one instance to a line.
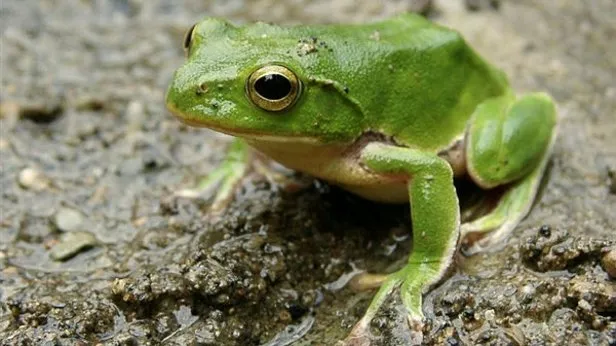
[408, 76]
[430, 82]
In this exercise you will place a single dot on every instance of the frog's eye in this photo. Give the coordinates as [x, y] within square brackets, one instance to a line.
[273, 88]
[188, 39]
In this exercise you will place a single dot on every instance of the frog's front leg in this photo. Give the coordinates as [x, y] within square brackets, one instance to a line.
[435, 216]
[508, 143]
[218, 186]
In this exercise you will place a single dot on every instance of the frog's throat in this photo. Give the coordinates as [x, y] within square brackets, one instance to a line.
[249, 135]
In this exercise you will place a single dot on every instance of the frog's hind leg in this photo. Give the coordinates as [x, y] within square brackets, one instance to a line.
[492, 229]
[508, 143]
[435, 215]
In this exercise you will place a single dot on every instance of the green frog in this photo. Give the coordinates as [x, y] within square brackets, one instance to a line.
[392, 111]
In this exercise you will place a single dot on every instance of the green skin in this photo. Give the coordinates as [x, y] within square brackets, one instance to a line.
[391, 111]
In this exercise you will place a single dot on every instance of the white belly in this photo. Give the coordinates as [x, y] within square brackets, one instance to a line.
[338, 165]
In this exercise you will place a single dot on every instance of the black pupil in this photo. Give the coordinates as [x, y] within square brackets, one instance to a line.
[273, 86]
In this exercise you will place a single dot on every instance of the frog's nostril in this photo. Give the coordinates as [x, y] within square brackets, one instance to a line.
[202, 89]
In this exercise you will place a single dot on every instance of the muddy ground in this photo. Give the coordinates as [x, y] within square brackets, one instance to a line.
[95, 248]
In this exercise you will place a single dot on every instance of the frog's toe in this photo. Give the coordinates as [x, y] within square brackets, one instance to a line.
[367, 281]
[410, 287]
[360, 334]
[416, 327]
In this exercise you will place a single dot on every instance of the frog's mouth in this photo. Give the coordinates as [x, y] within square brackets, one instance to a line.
[246, 134]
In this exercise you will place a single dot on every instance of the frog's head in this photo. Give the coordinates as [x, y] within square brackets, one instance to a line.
[255, 82]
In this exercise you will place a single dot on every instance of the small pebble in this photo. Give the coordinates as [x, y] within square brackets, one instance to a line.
[135, 113]
[4, 144]
[9, 110]
[420, 6]
[611, 175]
[68, 220]
[476, 5]
[545, 231]
[584, 305]
[451, 341]
[71, 244]
[609, 263]
[32, 179]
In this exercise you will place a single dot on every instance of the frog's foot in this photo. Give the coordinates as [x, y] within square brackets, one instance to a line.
[508, 144]
[411, 283]
[218, 186]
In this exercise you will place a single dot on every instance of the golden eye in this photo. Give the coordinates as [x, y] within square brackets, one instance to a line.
[188, 39]
[273, 88]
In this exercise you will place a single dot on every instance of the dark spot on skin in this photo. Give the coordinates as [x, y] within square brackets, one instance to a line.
[307, 46]
[545, 231]
[214, 104]
[346, 90]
